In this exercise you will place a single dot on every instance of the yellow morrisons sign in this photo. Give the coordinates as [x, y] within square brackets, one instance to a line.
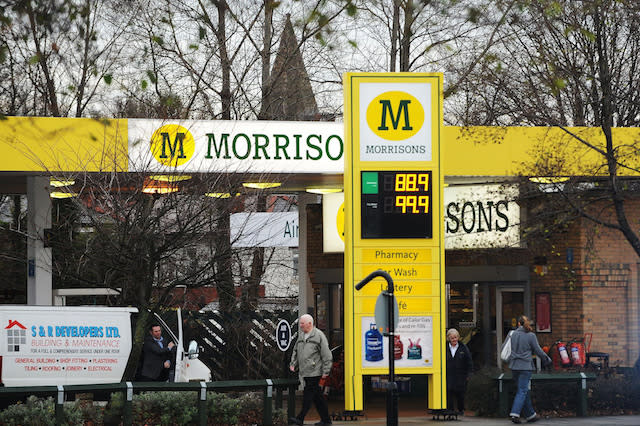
[31, 144]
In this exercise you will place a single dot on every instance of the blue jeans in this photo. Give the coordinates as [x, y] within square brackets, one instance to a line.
[522, 401]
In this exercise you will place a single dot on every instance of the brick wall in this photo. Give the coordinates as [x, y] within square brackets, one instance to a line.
[596, 293]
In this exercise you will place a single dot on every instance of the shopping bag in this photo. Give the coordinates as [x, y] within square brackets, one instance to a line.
[505, 352]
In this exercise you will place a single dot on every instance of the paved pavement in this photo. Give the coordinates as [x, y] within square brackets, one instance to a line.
[483, 421]
[412, 411]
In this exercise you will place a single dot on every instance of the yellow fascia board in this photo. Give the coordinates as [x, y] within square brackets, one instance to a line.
[534, 151]
[50, 144]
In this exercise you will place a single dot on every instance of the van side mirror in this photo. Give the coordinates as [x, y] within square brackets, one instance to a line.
[193, 350]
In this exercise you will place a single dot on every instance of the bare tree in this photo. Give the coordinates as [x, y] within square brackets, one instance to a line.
[568, 65]
[60, 53]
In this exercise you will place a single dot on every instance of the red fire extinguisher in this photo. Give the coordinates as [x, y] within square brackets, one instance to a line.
[564, 356]
[578, 356]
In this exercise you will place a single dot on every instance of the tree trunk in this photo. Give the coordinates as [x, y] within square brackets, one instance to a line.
[405, 45]
[604, 76]
[266, 56]
[51, 95]
[225, 63]
[222, 262]
[395, 32]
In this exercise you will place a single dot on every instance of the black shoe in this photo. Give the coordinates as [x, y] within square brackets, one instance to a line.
[533, 419]
[515, 420]
[295, 421]
[322, 424]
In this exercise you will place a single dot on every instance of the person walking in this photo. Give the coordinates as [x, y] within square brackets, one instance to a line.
[312, 358]
[459, 368]
[523, 345]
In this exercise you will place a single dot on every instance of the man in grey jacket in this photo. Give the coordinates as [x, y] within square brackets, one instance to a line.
[312, 358]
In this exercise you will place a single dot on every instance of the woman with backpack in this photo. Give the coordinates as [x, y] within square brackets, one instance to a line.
[523, 345]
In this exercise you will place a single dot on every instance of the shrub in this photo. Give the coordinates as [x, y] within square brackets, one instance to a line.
[615, 394]
[39, 412]
[222, 408]
[482, 392]
[181, 408]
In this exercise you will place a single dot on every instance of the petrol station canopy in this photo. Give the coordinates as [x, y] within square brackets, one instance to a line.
[302, 155]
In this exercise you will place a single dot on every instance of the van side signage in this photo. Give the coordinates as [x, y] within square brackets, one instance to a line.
[74, 331]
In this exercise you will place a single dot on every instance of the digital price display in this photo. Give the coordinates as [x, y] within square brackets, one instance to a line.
[396, 204]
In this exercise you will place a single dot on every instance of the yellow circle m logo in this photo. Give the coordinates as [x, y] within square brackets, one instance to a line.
[172, 145]
[395, 116]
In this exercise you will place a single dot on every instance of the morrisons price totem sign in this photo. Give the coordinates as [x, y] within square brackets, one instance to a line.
[393, 221]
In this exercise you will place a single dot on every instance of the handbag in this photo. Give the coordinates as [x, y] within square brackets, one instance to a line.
[505, 352]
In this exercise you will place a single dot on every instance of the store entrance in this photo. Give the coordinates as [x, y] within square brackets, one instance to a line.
[509, 306]
[483, 313]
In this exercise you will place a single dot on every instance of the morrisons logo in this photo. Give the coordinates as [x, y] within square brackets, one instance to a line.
[395, 116]
[172, 145]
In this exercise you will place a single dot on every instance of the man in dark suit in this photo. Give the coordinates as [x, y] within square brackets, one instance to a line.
[157, 356]
[459, 368]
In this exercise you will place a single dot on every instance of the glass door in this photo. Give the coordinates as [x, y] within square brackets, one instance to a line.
[509, 306]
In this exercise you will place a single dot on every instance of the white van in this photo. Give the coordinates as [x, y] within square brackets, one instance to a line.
[65, 345]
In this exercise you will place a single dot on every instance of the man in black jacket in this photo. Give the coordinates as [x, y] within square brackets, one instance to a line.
[157, 356]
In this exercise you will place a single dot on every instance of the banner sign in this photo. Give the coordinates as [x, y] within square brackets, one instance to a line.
[264, 229]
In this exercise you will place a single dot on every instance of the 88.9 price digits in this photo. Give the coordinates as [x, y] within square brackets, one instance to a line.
[412, 182]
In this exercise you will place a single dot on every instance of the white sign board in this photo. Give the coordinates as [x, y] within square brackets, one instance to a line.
[54, 345]
[279, 229]
[481, 216]
[235, 146]
[389, 101]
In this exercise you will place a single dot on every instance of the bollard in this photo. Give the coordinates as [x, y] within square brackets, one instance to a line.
[128, 405]
[267, 415]
[60, 405]
[202, 405]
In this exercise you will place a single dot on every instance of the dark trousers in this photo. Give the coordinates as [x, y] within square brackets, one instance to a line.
[459, 398]
[313, 394]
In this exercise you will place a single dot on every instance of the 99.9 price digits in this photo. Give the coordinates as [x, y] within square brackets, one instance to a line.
[413, 203]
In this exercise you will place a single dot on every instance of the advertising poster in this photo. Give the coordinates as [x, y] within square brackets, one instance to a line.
[412, 347]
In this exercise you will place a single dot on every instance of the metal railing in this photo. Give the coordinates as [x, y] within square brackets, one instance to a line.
[129, 388]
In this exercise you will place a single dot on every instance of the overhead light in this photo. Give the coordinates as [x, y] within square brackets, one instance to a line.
[170, 178]
[62, 194]
[261, 185]
[218, 194]
[548, 179]
[323, 190]
[159, 189]
[61, 183]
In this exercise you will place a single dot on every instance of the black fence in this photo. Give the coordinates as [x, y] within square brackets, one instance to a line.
[241, 345]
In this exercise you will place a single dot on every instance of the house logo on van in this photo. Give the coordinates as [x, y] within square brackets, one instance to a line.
[172, 145]
[395, 115]
[16, 336]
